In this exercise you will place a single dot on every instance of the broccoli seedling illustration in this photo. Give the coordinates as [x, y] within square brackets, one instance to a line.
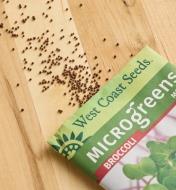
[159, 165]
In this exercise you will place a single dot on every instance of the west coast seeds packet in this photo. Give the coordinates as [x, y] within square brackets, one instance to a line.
[125, 136]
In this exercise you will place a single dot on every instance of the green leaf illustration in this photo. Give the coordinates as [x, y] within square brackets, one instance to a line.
[165, 172]
[155, 187]
[80, 136]
[145, 167]
[159, 152]
[55, 147]
[72, 136]
[133, 171]
[162, 173]
[172, 143]
[170, 182]
[60, 142]
[65, 138]
[148, 166]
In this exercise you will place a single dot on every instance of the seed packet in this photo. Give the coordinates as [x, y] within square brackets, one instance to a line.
[125, 136]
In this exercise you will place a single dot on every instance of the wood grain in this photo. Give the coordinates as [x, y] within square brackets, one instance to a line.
[26, 161]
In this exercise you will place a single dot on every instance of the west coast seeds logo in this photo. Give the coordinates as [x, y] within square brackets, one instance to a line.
[68, 145]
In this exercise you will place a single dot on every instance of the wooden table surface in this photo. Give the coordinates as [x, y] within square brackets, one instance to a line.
[109, 31]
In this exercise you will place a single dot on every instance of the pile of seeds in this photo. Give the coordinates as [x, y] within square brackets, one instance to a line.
[49, 58]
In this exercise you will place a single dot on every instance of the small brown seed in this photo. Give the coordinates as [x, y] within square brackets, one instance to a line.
[22, 110]
[59, 111]
[33, 18]
[19, 6]
[17, 85]
[109, 70]
[117, 44]
[114, 57]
